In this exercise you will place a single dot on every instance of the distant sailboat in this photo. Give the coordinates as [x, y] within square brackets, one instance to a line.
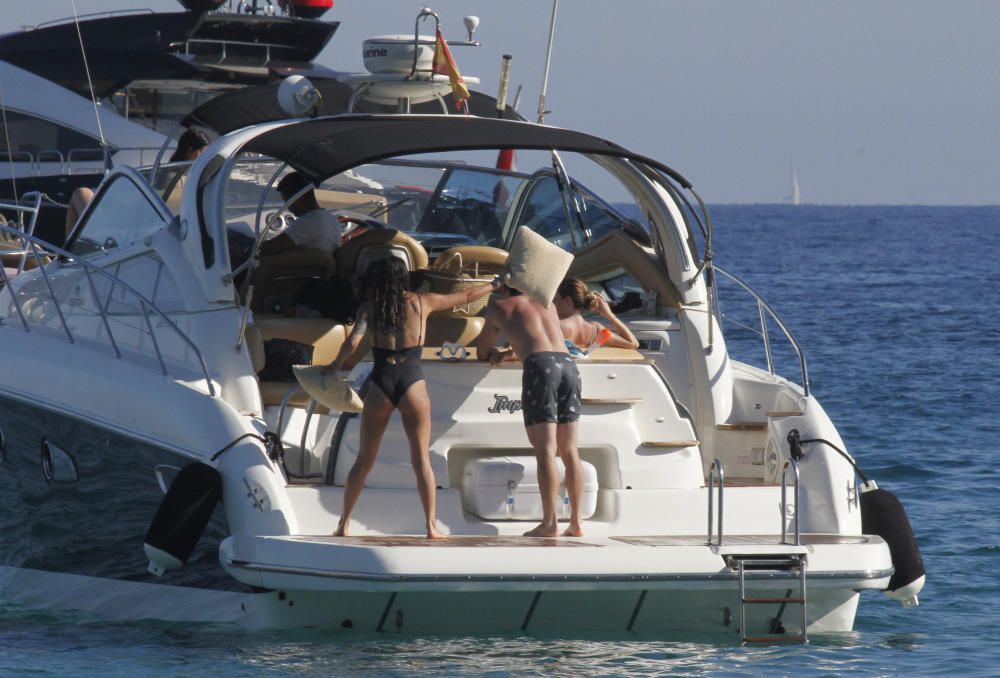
[793, 199]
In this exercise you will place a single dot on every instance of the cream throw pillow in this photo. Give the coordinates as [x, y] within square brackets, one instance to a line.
[536, 266]
[328, 389]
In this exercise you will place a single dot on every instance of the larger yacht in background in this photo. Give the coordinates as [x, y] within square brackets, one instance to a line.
[69, 119]
[146, 70]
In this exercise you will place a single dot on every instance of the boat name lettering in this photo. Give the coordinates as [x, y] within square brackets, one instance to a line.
[504, 404]
[376, 52]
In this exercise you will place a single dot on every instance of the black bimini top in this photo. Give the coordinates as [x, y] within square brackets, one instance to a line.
[324, 147]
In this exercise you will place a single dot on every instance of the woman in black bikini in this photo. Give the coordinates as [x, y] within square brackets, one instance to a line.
[394, 318]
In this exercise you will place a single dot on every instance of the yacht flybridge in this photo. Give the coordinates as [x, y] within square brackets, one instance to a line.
[144, 360]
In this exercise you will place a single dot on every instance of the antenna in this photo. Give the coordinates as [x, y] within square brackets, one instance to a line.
[297, 95]
[548, 60]
[90, 84]
[471, 24]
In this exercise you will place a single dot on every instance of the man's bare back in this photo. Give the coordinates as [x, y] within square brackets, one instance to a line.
[528, 326]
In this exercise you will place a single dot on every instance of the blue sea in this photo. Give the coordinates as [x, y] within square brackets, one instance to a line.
[898, 310]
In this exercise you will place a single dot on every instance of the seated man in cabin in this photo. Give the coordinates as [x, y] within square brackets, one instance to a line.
[313, 227]
[550, 397]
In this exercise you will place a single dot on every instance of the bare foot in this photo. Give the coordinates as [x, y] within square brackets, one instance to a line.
[573, 531]
[543, 530]
[434, 533]
[341, 530]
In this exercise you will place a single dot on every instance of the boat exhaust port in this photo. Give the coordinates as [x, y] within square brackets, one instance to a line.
[57, 464]
[182, 517]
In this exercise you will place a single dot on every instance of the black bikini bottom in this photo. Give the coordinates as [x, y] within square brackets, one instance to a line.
[396, 370]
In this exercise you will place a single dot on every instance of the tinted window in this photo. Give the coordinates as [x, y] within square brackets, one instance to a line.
[543, 212]
[31, 135]
[473, 204]
[121, 215]
[597, 215]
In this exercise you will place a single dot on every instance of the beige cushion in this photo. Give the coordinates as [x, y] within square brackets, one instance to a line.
[355, 254]
[324, 334]
[536, 266]
[444, 326]
[328, 389]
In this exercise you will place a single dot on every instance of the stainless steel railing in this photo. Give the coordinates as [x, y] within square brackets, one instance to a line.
[794, 466]
[716, 465]
[763, 311]
[40, 251]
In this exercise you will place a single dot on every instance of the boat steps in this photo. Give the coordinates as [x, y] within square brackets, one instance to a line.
[775, 566]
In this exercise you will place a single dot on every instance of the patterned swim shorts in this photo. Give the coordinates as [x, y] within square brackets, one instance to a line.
[550, 389]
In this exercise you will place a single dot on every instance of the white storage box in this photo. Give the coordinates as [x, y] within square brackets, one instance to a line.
[506, 488]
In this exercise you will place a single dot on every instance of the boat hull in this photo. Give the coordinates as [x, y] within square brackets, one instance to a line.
[667, 586]
[95, 526]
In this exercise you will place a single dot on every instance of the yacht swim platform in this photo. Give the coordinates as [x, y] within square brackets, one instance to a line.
[410, 562]
[511, 541]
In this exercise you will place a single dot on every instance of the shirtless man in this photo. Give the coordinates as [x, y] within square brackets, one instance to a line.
[550, 397]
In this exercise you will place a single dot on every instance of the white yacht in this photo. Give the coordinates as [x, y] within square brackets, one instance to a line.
[145, 412]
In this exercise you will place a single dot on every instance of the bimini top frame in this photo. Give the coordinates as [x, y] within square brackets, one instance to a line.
[324, 147]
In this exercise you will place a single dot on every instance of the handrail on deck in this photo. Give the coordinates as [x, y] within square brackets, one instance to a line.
[792, 464]
[91, 15]
[763, 310]
[38, 249]
[716, 464]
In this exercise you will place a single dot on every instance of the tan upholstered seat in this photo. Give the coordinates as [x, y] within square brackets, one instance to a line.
[456, 329]
[617, 251]
[355, 255]
[282, 274]
[326, 337]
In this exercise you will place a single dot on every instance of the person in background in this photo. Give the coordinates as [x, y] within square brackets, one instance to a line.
[395, 321]
[189, 146]
[78, 202]
[572, 299]
[550, 397]
[313, 227]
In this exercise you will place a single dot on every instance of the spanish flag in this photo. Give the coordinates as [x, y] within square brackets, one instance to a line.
[445, 65]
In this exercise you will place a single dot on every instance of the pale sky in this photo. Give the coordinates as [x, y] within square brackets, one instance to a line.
[871, 102]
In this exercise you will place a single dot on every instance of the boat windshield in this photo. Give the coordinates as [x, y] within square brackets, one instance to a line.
[122, 212]
[444, 204]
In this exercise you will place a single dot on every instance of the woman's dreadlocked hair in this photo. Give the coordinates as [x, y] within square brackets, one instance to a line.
[385, 281]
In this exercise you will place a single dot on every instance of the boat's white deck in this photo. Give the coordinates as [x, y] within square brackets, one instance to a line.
[510, 541]
[489, 562]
